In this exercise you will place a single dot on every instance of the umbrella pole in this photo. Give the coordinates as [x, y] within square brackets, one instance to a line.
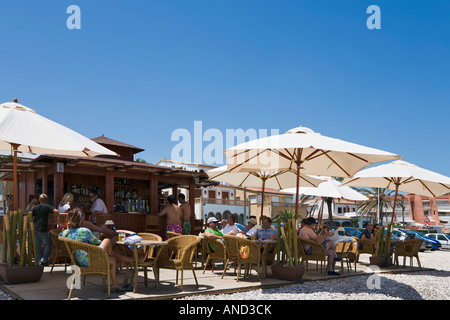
[395, 202]
[262, 197]
[321, 211]
[15, 177]
[296, 191]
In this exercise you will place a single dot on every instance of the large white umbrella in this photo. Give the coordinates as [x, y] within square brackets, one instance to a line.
[24, 130]
[302, 150]
[401, 176]
[330, 188]
[268, 179]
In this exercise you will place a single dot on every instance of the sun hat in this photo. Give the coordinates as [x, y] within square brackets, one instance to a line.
[253, 221]
[212, 219]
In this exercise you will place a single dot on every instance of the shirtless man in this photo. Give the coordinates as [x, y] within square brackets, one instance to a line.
[174, 216]
[308, 233]
[186, 209]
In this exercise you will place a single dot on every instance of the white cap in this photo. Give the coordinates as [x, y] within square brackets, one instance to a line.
[212, 219]
[109, 223]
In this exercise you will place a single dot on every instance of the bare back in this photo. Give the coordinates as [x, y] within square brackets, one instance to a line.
[186, 209]
[174, 214]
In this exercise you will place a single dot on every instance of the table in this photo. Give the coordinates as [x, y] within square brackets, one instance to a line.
[136, 264]
[268, 247]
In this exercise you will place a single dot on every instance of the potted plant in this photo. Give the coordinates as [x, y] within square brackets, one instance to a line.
[19, 226]
[286, 266]
[382, 256]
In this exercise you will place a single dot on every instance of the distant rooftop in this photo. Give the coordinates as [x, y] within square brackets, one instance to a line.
[108, 141]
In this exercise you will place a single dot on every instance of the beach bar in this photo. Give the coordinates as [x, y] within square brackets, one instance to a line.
[132, 190]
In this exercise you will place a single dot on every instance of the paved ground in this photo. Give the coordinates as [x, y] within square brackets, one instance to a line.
[53, 286]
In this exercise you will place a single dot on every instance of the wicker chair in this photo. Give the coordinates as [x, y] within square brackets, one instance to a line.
[150, 236]
[219, 252]
[367, 248]
[151, 256]
[98, 261]
[408, 248]
[233, 245]
[60, 249]
[343, 250]
[177, 255]
[318, 253]
[171, 234]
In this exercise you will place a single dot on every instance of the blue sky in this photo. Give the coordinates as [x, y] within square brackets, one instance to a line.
[138, 70]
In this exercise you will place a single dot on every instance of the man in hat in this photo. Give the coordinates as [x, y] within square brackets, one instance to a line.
[213, 232]
[308, 233]
[252, 225]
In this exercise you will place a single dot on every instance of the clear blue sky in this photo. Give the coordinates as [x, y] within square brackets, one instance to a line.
[138, 70]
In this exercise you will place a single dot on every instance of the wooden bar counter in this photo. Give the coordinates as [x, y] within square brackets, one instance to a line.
[135, 221]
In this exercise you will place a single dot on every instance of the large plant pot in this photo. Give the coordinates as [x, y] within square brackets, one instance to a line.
[16, 274]
[380, 261]
[288, 273]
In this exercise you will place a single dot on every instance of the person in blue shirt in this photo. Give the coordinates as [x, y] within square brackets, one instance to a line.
[367, 233]
[266, 232]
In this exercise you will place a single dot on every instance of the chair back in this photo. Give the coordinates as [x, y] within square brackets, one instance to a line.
[318, 251]
[151, 237]
[97, 256]
[408, 248]
[179, 251]
[59, 220]
[171, 234]
[60, 246]
[367, 246]
[219, 247]
[233, 245]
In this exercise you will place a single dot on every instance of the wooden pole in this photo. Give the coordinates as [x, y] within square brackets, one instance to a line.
[296, 191]
[15, 178]
[262, 197]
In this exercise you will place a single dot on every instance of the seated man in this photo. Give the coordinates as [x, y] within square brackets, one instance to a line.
[308, 233]
[266, 232]
[213, 232]
[231, 228]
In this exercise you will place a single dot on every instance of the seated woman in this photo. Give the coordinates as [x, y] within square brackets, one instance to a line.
[78, 233]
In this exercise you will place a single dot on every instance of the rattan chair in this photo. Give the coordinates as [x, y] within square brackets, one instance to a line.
[363, 247]
[177, 255]
[98, 262]
[60, 249]
[343, 250]
[151, 256]
[408, 248]
[153, 237]
[172, 234]
[219, 252]
[318, 253]
[233, 245]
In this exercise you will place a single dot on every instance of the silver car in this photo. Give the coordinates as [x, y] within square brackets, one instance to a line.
[444, 239]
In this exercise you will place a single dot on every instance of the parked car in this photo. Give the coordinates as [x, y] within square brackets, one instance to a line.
[402, 235]
[443, 238]
[430, 243]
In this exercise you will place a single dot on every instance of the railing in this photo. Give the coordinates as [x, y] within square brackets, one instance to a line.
[227, 202]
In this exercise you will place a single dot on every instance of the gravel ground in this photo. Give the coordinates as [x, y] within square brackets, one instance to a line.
[423, 285]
